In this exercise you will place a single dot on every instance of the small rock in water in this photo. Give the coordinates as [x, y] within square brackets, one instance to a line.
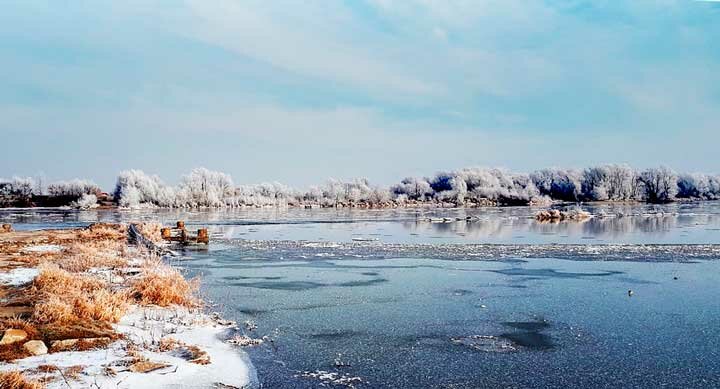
[36, 347]
[630, 292]
[13, 336]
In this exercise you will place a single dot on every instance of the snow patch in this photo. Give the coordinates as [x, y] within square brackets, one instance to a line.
[18, 276]
[43, 248]
[229, 365]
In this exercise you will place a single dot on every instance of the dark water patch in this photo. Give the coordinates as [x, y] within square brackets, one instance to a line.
[306, 285]
[461, 292]
[551, 273]
[336, 335]
[239, 278]
[638, 281]
[252, 311]
[373, 281]
[528, 325]
[531, 340]
[286, 285]
[385, 300]
[370, 273]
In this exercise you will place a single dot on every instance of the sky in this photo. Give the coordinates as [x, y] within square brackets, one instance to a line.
[301, 91]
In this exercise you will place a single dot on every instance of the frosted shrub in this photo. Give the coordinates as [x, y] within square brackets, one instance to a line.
[660, 185]
[72, 188]
[699, 186]
[558, 183]
[134, 188]
[86, 201]
[206, 188]
[418, 189]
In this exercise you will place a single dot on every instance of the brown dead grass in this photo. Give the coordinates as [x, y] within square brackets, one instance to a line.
[15, 380]
[191, 353]
[82, 256]
[151, 231]
[73, 372]
[163, 285]
[104, 231]
[66, 298]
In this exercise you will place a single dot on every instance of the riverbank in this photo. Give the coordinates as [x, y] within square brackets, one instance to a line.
[83, 308]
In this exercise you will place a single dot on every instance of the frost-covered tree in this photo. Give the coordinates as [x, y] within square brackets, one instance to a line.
[417, 189]
[73, 188]
[558, 184]
[86, 201]
[135, 188]
[660, 185]
[23, 186]
[610, 182]
[205, 188]
[595, 184]
[699, 186]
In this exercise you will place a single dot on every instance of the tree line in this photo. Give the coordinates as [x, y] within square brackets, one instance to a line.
[464, 187]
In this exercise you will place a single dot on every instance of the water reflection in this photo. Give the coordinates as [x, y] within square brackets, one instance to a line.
[637, 223]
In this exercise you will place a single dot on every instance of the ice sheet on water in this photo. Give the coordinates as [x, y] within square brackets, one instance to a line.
[294, 250]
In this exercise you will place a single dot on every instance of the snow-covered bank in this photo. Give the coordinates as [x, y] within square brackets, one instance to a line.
[141, 360]
[99, 313]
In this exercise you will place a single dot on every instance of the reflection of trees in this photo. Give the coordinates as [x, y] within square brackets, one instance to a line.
[610, 221]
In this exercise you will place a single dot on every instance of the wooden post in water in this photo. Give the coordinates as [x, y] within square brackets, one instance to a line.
[165, 232]
[202, 236]
[181, 225]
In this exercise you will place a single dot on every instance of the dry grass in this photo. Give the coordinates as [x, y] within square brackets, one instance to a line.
[73, 372]
[66, 298]
[191, 353]
[104, 231]
[15, 380]
[168, 344]
[163, 285]
[83, 256]
[151, 231]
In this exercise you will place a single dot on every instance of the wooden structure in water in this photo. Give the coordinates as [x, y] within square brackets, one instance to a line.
[181, 235]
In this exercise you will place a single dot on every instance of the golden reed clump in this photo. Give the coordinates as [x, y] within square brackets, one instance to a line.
[151, 230]
[15, 380]
[64, 297]
[163, 285]
[83, 256]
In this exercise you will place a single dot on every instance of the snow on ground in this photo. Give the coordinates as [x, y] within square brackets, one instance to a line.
[18, 276]
[43, 248]
[144, 327]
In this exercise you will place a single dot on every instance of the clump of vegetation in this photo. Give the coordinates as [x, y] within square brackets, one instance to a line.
[83, 256]
[163, 285]
[151, 231]
[66, 298]
[104, 231]
[15, 380]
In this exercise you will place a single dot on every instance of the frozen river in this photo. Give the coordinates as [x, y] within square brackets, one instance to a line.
[456, 298]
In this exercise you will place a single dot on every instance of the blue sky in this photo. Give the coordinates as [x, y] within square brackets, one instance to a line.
[300, 91]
